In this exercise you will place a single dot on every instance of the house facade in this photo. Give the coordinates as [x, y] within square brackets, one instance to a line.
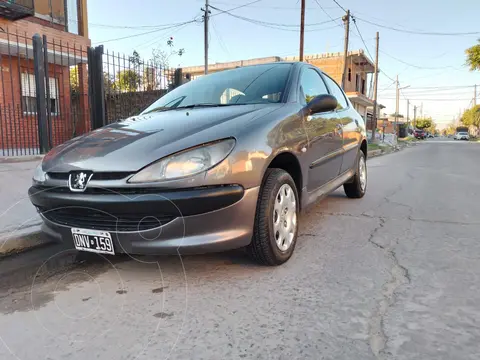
[357, 85]
[64, 26]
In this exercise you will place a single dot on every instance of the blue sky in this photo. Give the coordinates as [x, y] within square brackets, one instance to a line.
[428, 61]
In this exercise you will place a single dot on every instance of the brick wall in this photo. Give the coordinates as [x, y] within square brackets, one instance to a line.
[19, 129]
[26, 28]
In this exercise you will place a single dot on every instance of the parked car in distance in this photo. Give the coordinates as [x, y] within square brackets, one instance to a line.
[462, 136]
[419, 134]
[222, 162]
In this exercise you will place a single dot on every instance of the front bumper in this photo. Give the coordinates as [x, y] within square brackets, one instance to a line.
[202, 220]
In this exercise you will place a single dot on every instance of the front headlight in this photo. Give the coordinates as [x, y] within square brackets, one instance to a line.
[39, 174]
[186, 163]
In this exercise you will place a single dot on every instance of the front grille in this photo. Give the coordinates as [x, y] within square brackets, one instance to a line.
[119, 175]
[123, 190]
[88, 218]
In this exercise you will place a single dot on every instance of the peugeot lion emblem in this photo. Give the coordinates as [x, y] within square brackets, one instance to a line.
[78, 180]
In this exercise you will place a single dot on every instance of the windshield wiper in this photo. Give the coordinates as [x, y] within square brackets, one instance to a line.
[201, 105]
[192, 106]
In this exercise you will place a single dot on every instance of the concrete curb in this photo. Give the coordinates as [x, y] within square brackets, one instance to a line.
[16, 159]
[389, 150]
[20, 269]
[22, 240]
[374, 153]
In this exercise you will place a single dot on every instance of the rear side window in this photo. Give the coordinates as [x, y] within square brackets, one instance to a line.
[337, 92]
[311, 85]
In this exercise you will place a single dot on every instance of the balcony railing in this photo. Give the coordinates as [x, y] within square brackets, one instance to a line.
[16, 9]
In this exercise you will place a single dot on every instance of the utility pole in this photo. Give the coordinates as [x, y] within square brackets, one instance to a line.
[408, 112]
[346, 21]
[397, 100]
[375, 87]
[475, 96]
[421, 111]
[302, 28]
[206, 12]
[414, 116]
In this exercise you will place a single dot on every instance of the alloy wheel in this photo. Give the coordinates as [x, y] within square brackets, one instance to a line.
[285, 217]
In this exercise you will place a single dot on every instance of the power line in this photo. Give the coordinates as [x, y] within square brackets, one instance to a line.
[220, 40]
[326, 13]
[391, 98]
[235, 8]
[148, 32]
[170, 26]
[154, 40]
[274, 7]
[436, 94]
[140, 27]
[389, 86]
[340, 6]
[419, 32]
[389, 77]
[361, 37]
[277, 26]
[417, 66]
[270, 23]
[438, 88]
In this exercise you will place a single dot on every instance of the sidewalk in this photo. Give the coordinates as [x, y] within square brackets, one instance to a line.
[19, 221]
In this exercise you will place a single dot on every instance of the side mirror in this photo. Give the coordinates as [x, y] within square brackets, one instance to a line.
[322, 103]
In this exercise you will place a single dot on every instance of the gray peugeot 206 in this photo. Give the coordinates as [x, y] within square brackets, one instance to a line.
[224, 161]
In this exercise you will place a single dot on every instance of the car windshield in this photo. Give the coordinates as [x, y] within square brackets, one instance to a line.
[248, 85]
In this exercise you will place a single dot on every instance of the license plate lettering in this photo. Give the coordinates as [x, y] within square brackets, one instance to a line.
[93, 241]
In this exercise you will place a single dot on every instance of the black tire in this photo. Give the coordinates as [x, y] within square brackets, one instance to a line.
[354, 188]
[263, 248]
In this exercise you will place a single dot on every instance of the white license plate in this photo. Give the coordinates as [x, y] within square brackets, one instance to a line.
[93, 241]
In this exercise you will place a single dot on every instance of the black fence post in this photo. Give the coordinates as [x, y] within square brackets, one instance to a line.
[177, 78]
[47, 90]
[91, 92]
[96, 86]
[39, 66]
[100, 86]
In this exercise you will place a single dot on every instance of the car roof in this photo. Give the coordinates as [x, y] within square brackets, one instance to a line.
[294, 63]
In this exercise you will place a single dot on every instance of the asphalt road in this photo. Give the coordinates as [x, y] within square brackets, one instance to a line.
[391, 276]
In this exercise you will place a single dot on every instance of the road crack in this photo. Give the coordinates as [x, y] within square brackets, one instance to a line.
[409, 217]
[374, 232]
[399, 276]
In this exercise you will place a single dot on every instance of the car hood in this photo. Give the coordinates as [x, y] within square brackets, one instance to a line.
[131, 144]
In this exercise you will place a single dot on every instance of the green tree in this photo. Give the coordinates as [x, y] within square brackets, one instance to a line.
[424, 123]
[432, 128]
[471, 116]
[74, 87]
[400, 116]
[135, 60]
[108, 83]
[473, 57]
[128, 80]
[451, 129]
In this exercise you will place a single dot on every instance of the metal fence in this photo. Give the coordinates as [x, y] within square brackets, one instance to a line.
[52, 91]
[131, 84]
[18, 121]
